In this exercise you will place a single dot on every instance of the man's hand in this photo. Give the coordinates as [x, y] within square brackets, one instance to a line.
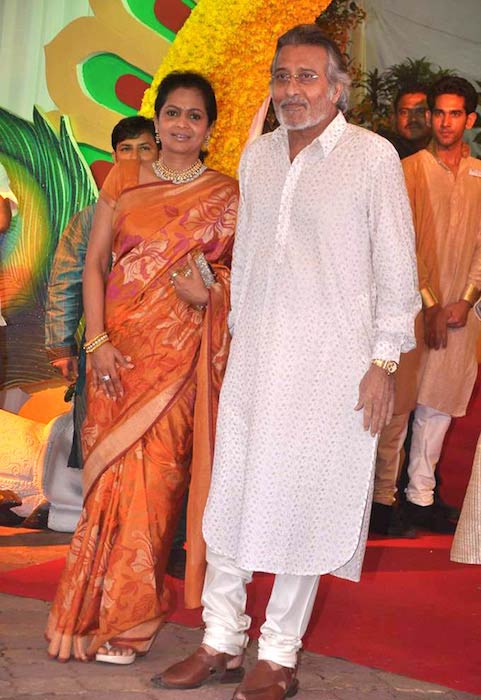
[68, 367]
[458, 313]
[376, 397]
[436, 327]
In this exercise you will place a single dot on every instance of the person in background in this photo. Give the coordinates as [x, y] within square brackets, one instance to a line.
[131, 138]
[444, 186]
[157, 342]
[411, 129]
[324, 294]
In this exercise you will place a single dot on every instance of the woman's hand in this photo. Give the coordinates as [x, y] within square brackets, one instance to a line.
[105, 362]
[190, 288]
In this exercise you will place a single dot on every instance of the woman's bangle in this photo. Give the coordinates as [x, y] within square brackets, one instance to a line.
[96, 342]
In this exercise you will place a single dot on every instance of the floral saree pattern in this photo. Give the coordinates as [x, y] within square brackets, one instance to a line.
[144, 450]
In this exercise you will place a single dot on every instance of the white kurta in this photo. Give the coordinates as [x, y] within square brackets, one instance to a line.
[323, 280]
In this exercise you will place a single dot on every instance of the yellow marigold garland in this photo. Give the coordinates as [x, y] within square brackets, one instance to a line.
[232, 44]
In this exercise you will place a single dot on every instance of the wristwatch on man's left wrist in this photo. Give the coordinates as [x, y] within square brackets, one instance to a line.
[389, 366]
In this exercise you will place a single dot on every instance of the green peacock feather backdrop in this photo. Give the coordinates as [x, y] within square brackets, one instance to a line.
[52, 181]
[51, 176]
[106, 62]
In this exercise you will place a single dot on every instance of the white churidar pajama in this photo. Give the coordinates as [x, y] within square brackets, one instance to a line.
[429, 429]
[287, 615]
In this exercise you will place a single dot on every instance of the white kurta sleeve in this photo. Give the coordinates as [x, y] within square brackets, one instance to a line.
[393, 257]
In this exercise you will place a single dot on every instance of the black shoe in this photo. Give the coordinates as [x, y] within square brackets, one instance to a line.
[10, 519]
[38, 518]
[176, 563]
[429, 518]
[9, 499]
[390, 522]
[450, 512]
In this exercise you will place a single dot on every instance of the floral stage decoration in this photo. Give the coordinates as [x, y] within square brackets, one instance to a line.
[232, 44]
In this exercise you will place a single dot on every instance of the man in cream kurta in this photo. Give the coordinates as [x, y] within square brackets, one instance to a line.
[323, 282]
[437, 379]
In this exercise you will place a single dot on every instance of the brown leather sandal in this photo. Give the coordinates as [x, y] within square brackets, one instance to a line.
[266, 683]
[197, 669]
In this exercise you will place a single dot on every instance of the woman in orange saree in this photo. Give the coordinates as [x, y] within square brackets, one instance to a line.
[157, 343]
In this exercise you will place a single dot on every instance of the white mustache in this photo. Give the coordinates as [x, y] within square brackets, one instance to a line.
[289, 101]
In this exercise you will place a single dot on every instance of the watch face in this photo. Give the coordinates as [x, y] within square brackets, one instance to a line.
[391, 366]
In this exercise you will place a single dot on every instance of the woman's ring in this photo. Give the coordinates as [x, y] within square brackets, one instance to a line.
[105, 377]
[174, 275]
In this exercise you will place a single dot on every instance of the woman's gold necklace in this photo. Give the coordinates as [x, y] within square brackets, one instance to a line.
[178, 177]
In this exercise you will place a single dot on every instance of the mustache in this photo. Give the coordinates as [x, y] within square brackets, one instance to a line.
[290, 101]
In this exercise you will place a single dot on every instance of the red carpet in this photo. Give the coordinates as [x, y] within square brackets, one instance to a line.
[458, 450]
[414, 613]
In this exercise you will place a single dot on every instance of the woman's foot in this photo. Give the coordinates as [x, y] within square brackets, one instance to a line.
[110, 654]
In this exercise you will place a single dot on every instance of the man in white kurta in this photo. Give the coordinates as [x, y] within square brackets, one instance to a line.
[323, 283]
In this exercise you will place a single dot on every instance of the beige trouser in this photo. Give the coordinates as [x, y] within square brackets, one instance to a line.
[429, 430]
[388, 459]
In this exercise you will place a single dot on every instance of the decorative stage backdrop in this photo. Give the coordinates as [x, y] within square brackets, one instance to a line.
[90, 63]
[97, 70]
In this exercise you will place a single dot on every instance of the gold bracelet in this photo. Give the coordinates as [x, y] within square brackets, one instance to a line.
[471, 294]
[95, 338]
[429, 297]
[96, 342]
[97, 345]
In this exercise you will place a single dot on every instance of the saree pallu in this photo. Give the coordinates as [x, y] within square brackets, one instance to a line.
[144, 450]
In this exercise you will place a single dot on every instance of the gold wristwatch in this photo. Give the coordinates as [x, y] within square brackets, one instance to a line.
[389, 366]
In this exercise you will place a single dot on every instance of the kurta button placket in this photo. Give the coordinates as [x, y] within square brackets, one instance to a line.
[283, 221]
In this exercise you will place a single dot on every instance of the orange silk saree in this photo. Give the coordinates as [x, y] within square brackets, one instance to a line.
[143, 451]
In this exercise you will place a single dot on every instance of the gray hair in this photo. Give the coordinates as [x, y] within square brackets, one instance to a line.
[336, 71]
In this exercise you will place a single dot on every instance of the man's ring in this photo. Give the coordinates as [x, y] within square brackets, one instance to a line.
[105, 377]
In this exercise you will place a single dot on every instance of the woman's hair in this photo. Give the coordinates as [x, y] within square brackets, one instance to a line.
[189, 80]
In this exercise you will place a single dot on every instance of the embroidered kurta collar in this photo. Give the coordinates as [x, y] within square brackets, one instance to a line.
[433, 150]
[325, 142]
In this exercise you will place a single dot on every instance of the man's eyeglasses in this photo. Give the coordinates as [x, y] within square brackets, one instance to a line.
[304, 77]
